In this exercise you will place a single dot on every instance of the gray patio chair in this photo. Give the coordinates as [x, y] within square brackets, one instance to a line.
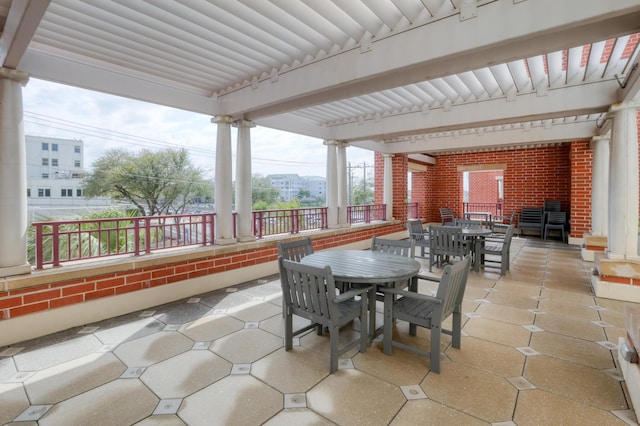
[468, 223]
[428, 311]
[496, 250]
[531, 218]
[399, 247]
[295, 250]
[418, 235]
[310, 293]
[446, 214]
[446, 242]
[557, 221]
[502, 222]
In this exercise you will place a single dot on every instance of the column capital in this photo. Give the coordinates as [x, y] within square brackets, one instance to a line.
[329, 142]
[597, 139]
[15, 75]
[222, 119]
[622, 106]
[387, 155]
[243, 123]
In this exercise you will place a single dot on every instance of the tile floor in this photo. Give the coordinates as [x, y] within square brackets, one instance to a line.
[538, 349]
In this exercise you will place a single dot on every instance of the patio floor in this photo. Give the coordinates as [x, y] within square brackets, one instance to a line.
[538, 349]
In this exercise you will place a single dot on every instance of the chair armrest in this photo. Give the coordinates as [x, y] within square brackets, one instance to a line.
[411, 294]
[428, 278]
[352, 293]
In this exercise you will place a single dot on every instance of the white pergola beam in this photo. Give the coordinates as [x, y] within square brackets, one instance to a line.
[21, 24]
[471, 44]
[487, 140]
[565, 102]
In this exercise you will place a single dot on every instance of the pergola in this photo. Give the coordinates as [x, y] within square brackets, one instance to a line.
[400, 77]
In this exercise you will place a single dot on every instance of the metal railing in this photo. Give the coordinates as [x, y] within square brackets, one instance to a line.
[412, 210]
[271, 222]
[366, 213]
[495, 209]
[71, 240]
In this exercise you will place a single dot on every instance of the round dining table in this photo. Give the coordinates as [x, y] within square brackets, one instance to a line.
[367, 267]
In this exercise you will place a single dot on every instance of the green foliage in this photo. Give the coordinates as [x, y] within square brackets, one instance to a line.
[362, 194]
[156, 182]
[262, 191]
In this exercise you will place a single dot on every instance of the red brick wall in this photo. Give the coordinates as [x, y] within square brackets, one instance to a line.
[581, 174]
[483, 186]
[421, 191]
[400, 183]
[14, 303]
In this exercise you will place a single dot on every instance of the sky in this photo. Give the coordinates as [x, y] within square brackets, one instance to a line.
[105, 122]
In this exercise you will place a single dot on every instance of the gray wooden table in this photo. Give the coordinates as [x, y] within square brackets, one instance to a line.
[366, 267]
[476, 235]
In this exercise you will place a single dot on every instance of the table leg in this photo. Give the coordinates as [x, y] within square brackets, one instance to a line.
[372, 313]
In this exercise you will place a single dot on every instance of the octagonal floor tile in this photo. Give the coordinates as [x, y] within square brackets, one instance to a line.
[153, 348]
[293, 371]
[246, 346]
[211, 327]
[14, 401]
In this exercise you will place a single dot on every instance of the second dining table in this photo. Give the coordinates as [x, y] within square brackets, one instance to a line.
[366, 267]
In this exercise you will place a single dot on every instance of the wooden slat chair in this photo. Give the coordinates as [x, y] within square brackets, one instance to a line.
[446, 214]
[502, 222]
[310, 293]
[295, 250]
[418, 235]
[496, 250]
[428, 311]
[446, 242]
[531, 218]
[468, 223]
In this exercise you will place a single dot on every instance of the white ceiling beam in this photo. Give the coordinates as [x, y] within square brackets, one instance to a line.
[485, 141]
[631, 89]
[563, 102]
[471, 44]
[65, 71]
[22, 21]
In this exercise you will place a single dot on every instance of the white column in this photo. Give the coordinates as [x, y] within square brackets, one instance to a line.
[332, 183]
[342, 184]
[623, 183]
[13, 175]
[223, 181]
[388, 184]
[243, 181]
[600, 185]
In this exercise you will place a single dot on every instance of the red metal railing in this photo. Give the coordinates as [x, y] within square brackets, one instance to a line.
[70, 240]
[366, 213]
[412, 210]
[271, 222]
[494, 208]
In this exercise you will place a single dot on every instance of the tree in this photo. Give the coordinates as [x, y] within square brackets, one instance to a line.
[362, 194]
[156, 182]
[262, 192]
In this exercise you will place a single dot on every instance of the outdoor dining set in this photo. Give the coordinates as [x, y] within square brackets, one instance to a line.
[332, 288]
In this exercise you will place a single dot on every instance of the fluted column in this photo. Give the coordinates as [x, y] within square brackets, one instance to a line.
[332, 183]
[243, 181]
[623, 182]
[600, 185]
[388, 184]
[223, 182]
[13, 175]
[342, 183]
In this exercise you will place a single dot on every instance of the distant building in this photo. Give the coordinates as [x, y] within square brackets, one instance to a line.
[290, 185]
[55, 169]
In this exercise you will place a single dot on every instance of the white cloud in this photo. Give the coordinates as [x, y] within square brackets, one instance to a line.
[104, 122]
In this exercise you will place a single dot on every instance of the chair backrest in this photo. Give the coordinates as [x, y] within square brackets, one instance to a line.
[531, 215]
[307, 289]
[468, 223]
[446, 215]
[552, 206]
[295, 250]
[452, 285]
[399, 247]
[557, 218]
[416, 231]
[508, 236]
[446, 240]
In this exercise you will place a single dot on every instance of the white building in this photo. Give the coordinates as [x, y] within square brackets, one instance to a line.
[55, 169]
[290, 185]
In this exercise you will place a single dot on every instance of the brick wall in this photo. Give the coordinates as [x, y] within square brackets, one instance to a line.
[15, 303]
[400, 183]
[581, 173]
[483, 186]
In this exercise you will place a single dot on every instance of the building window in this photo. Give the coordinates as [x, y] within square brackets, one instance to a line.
[28, 192]
[76, 149]
[45, 161]
[78, 192]
[45, 176]
[66, 192]
[54, 147]
[54, 162]
[40, 192]
[76, 163]
[44, 192]
[45, 146]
